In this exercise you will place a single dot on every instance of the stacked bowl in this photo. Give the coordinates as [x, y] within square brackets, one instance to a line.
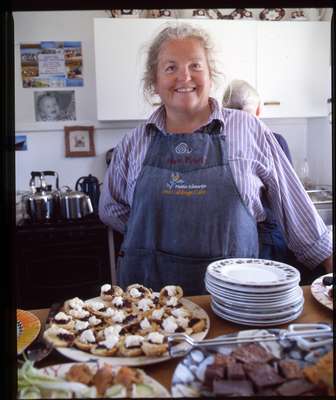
[254, 291]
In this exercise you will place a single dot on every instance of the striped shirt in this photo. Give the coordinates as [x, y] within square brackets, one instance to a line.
[257, 163]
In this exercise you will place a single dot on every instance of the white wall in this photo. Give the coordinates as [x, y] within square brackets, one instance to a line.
[46, 139]
[294, 130]
[319, 150]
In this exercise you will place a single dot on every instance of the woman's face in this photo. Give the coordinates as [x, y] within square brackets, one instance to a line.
[183, 77]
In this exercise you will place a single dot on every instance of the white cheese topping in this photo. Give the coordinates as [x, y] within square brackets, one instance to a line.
[134, 292]
[54, 329]
[172, 301]
[110, 341]
[145, 324]
[171, 290]
[109, 312]
[94, 320]
[133, 340]
[169, 325]
[155, 337]
[105, 288]
[96, 305]
[183, 322]
[76, 303]
[62, 316]
[118, 301]
[180, 312]
[112, 330]
[145, 304]
[81, 325]
[157, 314]
[87, 336]
[118, 316]
[80, 313]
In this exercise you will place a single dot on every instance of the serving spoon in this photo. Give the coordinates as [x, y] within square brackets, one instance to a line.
[300, 332]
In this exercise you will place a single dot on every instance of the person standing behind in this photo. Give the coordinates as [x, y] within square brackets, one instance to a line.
[241, 95]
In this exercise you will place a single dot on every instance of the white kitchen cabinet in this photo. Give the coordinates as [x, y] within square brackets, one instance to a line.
[293, 68]
[288, 62]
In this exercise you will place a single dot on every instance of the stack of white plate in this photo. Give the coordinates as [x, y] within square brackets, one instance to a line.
[254, 291]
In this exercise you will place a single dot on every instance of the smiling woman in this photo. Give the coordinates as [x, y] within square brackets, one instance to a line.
[188, 181]
[183, 83]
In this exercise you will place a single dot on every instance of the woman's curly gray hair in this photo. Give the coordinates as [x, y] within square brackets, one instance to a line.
[175, 31]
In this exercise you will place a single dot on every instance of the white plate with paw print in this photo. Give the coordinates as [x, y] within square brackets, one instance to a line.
[253, 272]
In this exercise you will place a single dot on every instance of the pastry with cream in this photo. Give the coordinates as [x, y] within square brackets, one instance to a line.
[130, 345]
[59, 337]
[170, 295]
[85, 340]
[108, 292]
[155, 344]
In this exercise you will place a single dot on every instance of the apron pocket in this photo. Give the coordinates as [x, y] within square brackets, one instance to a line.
[187, 272]
[135, 266]
[156, 269]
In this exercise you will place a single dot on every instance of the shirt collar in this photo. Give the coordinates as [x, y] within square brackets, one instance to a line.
[216, 119]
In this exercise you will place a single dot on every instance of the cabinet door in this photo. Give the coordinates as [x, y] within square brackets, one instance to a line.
[235, 51]
[293, 65]
[120, 57]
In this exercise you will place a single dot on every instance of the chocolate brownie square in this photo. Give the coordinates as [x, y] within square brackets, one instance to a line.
[232, 388]
[262, 375]
[252, 352]
[235, 371]
[290, 369]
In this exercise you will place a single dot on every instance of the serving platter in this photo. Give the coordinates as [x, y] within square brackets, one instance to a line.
[320, 292]
[78, 355]
[60, 371]
[188, 377]
[27, 329]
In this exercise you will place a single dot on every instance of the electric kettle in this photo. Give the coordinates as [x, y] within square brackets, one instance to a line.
[90, 186]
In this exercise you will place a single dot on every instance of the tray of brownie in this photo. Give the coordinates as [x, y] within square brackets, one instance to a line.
[288, 367]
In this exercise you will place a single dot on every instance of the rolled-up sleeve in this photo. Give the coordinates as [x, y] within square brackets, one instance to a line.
[113, 206]
[307, 235]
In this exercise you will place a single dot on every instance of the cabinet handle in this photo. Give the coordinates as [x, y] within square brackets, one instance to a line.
[272, 103]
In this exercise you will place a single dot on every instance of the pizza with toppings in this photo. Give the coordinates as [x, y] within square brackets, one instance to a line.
[130, 323]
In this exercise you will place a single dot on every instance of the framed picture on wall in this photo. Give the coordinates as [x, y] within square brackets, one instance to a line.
[79, 141]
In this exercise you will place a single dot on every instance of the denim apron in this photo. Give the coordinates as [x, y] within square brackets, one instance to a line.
[186, 213]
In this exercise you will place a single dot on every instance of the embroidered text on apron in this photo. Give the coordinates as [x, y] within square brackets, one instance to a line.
[186, 213]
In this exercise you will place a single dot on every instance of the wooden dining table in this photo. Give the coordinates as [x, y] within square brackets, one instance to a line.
[313, 312]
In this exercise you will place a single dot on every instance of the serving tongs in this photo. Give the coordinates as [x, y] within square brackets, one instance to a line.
[321, 333]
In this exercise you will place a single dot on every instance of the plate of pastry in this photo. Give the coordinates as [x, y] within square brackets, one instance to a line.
[322, 290]
[27, 329]
[87, 380]
[125, 327]
[282, 368]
